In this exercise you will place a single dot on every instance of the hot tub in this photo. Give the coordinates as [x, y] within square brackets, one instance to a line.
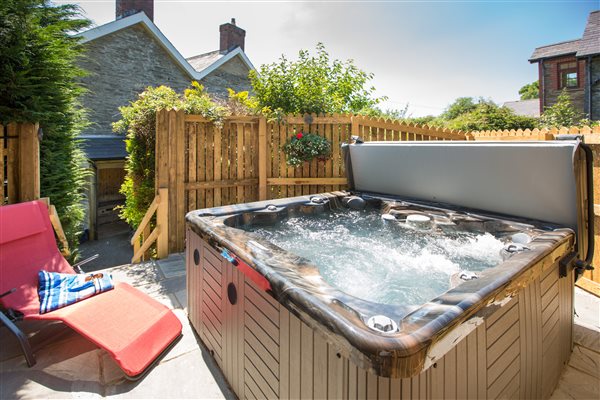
[418, 298]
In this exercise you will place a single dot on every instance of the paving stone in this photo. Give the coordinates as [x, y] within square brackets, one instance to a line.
[188, 342]
[182, 298]
[185, 377]
[138, 275]
[587, 308]
[587, 336]
[172, 266]
[575, 385]
[586, 360]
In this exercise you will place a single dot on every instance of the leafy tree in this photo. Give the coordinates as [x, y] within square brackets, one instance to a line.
[39, 83]
[461, 106]
[562, 113]
[429, 120]
[313, 84]
[390, 113]
[489, 116]
[530, 91]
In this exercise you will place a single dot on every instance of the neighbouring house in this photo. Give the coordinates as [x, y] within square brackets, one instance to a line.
[574, 65]
[526, 108]
[124, 57]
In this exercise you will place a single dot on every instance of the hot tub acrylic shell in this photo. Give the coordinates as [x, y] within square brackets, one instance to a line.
[507, 336]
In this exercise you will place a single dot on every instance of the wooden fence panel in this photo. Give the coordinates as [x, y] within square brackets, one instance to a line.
[19, 163]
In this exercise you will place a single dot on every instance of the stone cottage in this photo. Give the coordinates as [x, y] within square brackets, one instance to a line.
[124, 57]
[574, 65]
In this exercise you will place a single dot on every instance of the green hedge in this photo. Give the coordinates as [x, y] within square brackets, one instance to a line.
[39, 83]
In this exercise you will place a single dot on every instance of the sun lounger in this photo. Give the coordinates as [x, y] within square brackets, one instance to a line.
[132, 327]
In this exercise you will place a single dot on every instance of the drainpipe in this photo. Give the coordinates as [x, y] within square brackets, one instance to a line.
[588, 86]
[542, 74]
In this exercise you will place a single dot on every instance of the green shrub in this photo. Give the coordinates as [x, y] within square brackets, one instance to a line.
[312, 84]
[138, 121]
[488, 116]
[39, 83]
[562, 113]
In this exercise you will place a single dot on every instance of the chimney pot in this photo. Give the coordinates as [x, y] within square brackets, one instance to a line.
[125, 8]
[232, 36]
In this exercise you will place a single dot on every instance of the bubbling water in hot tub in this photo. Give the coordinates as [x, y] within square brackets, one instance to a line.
[386, 262]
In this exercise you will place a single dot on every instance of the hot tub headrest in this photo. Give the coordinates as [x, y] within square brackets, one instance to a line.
[527, 179]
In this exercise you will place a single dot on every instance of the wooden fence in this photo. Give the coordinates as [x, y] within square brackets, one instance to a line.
[19, 163]
[204, 165]
[591, 134]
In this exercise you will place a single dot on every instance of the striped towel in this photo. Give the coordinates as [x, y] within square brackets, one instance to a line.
[60, 290]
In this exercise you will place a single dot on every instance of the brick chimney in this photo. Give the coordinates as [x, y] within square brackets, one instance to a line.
[231, 37]
[125, 8]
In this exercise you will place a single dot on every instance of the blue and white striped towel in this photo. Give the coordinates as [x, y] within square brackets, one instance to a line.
[60, 290]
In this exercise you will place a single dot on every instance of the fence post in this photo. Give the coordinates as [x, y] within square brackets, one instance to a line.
[354, 129]
[162, 222]
[262, 158]
[29, 162]
[162, 151]
[179, 184]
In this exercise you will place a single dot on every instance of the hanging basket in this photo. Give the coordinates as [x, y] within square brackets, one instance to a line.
[304, 147]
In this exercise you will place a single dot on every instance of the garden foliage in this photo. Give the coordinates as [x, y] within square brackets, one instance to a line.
[562, 113]
[468, 114]
[313, 84]
[39, 83]
[138, 121]
[530, 91]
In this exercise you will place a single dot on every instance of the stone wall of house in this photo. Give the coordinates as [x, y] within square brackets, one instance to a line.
[122, 65]
[233, 74]
[551, 83]
[595, 111]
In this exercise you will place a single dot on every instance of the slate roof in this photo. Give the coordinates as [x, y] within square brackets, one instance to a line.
[104, 147]
[557, 49]
[202, 68]
[202, 61]
[589, 44]
[529, 108]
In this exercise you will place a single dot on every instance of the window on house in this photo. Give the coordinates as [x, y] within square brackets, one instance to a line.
[567, 74]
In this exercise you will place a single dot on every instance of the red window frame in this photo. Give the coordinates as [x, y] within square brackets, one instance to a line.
[568, 70]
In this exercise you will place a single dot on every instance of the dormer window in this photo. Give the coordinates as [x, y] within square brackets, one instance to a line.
[567, 75]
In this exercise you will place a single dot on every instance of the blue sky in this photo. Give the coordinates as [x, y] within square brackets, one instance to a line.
[424, 53]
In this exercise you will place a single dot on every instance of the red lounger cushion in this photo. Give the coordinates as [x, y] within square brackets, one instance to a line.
[128, 324]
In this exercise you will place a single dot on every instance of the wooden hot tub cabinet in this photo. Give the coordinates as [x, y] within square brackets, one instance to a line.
[513, 346]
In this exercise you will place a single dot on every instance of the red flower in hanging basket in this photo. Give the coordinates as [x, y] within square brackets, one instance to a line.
[299, 135]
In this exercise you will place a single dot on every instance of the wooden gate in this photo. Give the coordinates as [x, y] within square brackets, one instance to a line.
[19, 163]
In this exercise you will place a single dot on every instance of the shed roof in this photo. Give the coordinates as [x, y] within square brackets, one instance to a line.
[104, 147]
[530, 108]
